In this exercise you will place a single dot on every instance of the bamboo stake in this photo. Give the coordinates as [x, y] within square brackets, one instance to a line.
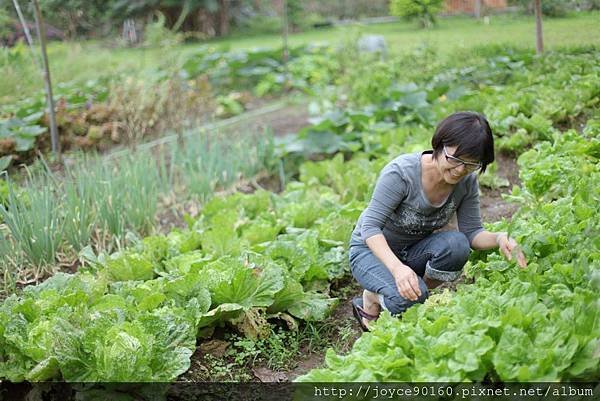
[41, 31]
[23, 23]
[539, 39]
[27, 32]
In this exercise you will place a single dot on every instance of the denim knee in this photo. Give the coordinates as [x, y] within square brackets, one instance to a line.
[397, 304]
[460, 249]
[449, 263]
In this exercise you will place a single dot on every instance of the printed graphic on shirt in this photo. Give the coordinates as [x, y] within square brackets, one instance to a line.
[408, 220]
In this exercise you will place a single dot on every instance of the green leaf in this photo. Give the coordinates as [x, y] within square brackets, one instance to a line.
[32, 130]
[249, 287]
[321, 142]
[5, 162]
[313, 306]
[24, 143]
[129, 267]
[124, 354]
[45, 370]
[221, 240]
[221, 313]
[512, 353]
[291, 292]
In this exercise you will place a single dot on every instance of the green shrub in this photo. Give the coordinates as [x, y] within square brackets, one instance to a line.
[156, 34]
[550, 8]
[422, 10]
[589, 5]
[5, 23]
[555, 8]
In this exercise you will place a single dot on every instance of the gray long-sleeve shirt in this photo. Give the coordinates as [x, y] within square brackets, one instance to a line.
[400, 210]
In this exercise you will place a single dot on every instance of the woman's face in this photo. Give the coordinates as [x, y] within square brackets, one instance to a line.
[452, 170]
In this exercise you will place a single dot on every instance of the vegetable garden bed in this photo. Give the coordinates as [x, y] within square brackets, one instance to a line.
[137, 314]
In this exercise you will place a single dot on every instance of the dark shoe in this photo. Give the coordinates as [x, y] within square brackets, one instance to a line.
[359, 313]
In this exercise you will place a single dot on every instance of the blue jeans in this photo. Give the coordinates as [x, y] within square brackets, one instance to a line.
[441, 256]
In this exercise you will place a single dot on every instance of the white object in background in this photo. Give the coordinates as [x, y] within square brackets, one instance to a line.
[373, 44]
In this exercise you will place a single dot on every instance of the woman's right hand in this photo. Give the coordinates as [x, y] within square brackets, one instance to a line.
[407, 282]
[406, 279]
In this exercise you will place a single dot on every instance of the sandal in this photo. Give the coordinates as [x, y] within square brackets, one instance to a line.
[359, 313]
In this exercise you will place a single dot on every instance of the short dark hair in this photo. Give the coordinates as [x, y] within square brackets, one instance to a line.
[470, 132]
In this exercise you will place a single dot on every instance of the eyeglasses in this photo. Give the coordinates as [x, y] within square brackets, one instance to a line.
[455, 162]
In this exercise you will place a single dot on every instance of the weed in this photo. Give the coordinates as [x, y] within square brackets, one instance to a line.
[221, 369]
[279, 349]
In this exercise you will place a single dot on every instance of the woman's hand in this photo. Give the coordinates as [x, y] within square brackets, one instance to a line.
[407, 282]
[507, 246]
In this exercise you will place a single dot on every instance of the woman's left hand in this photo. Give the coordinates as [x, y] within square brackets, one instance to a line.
[508, 247]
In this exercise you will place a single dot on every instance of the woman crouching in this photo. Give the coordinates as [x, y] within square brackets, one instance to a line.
[397, 252]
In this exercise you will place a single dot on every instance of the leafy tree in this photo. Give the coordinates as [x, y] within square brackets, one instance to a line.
[74, 17]
[5, 22]
[422, 10]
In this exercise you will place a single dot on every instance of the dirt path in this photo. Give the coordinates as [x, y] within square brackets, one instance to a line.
[285, 121]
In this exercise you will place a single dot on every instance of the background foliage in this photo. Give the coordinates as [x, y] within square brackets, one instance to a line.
[422, 10]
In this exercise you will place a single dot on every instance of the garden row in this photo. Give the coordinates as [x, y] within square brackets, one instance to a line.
[203, 85]
[535, 324]
[53, 216]
[525, 98]
[135, 315]
[503, 326]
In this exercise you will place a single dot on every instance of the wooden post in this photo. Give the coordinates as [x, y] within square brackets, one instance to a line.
[539, 39]
[41, 31]
[284, 35]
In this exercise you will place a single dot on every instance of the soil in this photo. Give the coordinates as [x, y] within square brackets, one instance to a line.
[577, 123]
[287, 120]
[493, 207]
[340, 330]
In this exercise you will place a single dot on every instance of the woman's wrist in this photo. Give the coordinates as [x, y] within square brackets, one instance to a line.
[397, 267]
[499, 236]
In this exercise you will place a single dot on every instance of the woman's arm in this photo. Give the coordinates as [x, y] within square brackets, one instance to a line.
[390, 189]
[405, 277]
[487, 240]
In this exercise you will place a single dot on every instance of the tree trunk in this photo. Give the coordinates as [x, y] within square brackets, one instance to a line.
[478, 8]
[223, 17]
[539, 42]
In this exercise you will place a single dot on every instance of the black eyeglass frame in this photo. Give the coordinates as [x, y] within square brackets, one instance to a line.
[469, 166]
